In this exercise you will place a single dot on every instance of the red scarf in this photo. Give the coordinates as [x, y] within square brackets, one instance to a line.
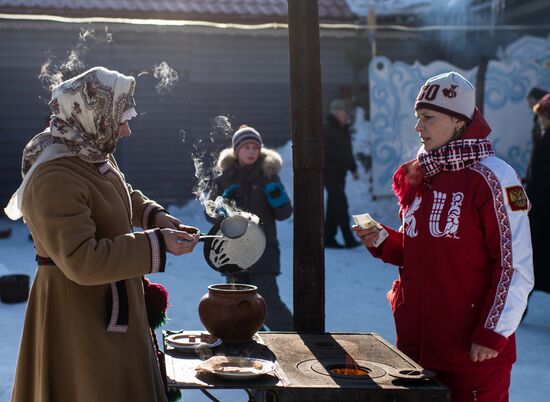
[454, 156]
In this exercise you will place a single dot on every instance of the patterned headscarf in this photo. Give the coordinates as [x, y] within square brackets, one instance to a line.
[86, 113]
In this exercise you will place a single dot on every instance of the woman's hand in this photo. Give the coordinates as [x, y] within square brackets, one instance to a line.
[480, 353]
[164, 220]
[179, 243]
[367, 236]
[188, 229]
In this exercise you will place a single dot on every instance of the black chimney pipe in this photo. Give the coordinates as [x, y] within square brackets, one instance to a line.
[308, 162]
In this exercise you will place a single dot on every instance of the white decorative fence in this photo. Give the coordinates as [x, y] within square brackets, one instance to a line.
[394, 87]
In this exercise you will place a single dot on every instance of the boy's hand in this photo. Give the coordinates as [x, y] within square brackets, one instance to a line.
[228, 192]
[276, 194]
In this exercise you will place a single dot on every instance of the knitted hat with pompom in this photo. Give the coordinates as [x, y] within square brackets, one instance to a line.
[245, 134]
[448, 93]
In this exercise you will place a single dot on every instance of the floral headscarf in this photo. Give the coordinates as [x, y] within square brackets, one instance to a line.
[86, 113]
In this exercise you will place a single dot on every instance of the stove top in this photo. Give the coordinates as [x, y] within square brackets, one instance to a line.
[320, 367]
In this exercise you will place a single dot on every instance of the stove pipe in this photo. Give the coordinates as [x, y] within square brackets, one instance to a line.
[308, 162]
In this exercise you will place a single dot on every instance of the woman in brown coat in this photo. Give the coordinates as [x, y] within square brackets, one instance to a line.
[86, 335]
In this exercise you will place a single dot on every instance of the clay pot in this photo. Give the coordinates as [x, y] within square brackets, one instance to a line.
[233, 312]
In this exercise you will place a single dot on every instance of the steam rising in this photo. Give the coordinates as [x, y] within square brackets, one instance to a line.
[167, 76]
[220, 124]
[205, 162]
[52, 74]
[463, 12]
[183, 134]
[90, 34]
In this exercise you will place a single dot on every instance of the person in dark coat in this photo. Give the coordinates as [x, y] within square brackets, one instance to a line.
[249, 177]
[338, 161]
[534, 95]
[538, 191]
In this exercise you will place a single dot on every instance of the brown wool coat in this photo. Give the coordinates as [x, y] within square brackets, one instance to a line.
[81, 219]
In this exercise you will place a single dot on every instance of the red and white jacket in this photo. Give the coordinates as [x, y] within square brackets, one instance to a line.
[464, 252]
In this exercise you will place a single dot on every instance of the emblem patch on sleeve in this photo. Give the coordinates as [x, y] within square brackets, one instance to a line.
[517, 199]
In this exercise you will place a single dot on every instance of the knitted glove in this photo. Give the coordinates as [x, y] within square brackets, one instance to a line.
[276, 194]
[230, 190]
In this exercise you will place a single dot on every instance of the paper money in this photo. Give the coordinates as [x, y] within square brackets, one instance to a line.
[366, 222]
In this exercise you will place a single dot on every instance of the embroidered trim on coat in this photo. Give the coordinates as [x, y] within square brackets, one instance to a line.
[115, 311]
[155, 250]
[105, 168]
[505, 245]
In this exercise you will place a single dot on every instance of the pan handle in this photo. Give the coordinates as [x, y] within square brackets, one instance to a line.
[202, 238]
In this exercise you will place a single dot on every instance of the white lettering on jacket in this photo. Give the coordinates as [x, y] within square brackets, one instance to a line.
[409, 221]
[451, 227]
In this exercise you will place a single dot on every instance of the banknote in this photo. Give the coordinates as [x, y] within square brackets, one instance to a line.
[366, 222]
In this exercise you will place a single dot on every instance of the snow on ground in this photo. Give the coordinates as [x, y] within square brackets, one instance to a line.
[348, 272]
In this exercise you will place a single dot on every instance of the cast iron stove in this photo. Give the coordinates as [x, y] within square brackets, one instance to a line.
[319, 367]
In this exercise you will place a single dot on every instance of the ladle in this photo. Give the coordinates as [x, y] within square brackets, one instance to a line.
[203, 237]
[231, 227]
[234, 226]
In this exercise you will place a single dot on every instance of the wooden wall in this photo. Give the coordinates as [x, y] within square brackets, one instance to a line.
[240, 74]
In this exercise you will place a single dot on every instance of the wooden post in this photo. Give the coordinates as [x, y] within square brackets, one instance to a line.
[308, 161]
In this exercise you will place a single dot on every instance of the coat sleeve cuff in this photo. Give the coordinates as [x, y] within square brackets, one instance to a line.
[158, 250]
[391, 249]
[376, 251]
[148, 215]
[489, 339]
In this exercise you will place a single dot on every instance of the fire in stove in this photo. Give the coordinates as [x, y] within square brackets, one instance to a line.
[348, 371]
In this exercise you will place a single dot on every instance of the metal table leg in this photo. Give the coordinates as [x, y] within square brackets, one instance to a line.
[209, 395]
[250, 396]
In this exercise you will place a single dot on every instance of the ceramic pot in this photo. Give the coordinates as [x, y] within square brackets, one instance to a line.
[233, 312]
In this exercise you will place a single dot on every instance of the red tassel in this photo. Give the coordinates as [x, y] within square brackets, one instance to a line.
[406, 182]
[156, 301]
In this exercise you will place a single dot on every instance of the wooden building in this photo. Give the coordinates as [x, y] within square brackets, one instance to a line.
[227, 65]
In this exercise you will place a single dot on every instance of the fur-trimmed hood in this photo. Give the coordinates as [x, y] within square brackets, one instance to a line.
[271, 161]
